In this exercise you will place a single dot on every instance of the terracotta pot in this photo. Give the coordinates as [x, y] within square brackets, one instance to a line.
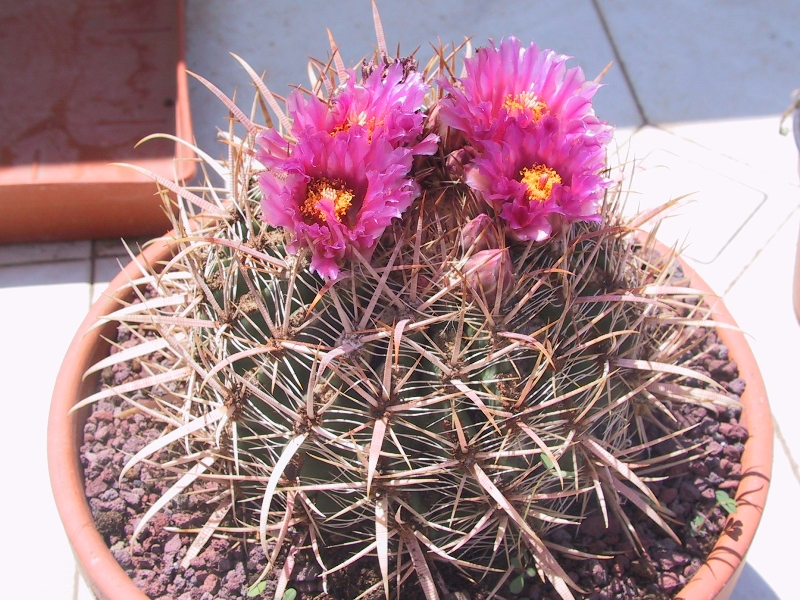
[106, 74]
[100, 570]
[796, 286]
[715, 580]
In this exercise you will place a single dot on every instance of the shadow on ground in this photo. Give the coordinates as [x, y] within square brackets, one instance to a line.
[752, 585]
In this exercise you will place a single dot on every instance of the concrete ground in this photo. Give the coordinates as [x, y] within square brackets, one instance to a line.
[696, 90]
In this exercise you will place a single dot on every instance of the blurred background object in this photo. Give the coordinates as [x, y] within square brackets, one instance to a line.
[794, 111]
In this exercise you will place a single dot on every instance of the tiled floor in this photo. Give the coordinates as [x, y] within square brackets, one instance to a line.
[697, 89]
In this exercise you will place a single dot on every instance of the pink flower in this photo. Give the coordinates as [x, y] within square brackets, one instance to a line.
[509, 83]
[537, 178]
[387, 104]
[342, 180]
[337, 194]
[540, 149]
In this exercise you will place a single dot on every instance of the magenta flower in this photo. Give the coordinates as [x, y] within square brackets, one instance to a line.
[342, 180]
[387, 104]
[539, 148]
[513, 84]
[536, 178]
[337, 194]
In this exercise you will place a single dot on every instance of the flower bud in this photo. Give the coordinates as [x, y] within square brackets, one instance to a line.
[479, 234]
[489, 272]
[457, 160]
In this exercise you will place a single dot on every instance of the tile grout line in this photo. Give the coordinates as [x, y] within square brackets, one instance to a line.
[786, 450]
[93, 254]
[623, 68]
[44, 261]
[92, 270]
[76, 584]
[755, 256]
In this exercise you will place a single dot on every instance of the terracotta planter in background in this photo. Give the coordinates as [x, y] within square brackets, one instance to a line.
[715, 580]
[83, 83]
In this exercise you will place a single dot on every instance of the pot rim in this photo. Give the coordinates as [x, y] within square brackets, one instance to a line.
[65, 435]
[715, 579]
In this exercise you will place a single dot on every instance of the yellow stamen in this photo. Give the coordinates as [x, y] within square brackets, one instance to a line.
[526, 102]
[360, 119]
[539, 180]
[323, 191]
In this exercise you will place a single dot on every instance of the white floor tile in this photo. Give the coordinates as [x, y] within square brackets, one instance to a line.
[277, 38]
[44, 305]
[761, 302]
[692, 60]
[666, 174]
[105, 269]
[622, 135]
[18, 254]
[730, 212]
[754, 141]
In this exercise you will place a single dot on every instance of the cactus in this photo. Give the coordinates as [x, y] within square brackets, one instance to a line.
[450, 386]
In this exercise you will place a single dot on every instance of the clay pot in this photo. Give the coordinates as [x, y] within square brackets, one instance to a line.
[106, 579]
[796, 286]
[715, 580]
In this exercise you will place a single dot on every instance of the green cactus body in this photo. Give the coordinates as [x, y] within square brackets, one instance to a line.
[397, 411]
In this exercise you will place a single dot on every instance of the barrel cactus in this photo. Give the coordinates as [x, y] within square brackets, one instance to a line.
[408, 323]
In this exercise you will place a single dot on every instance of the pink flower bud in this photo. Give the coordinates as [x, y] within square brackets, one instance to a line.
[479, 234]
[457, 160]
[489, 272]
